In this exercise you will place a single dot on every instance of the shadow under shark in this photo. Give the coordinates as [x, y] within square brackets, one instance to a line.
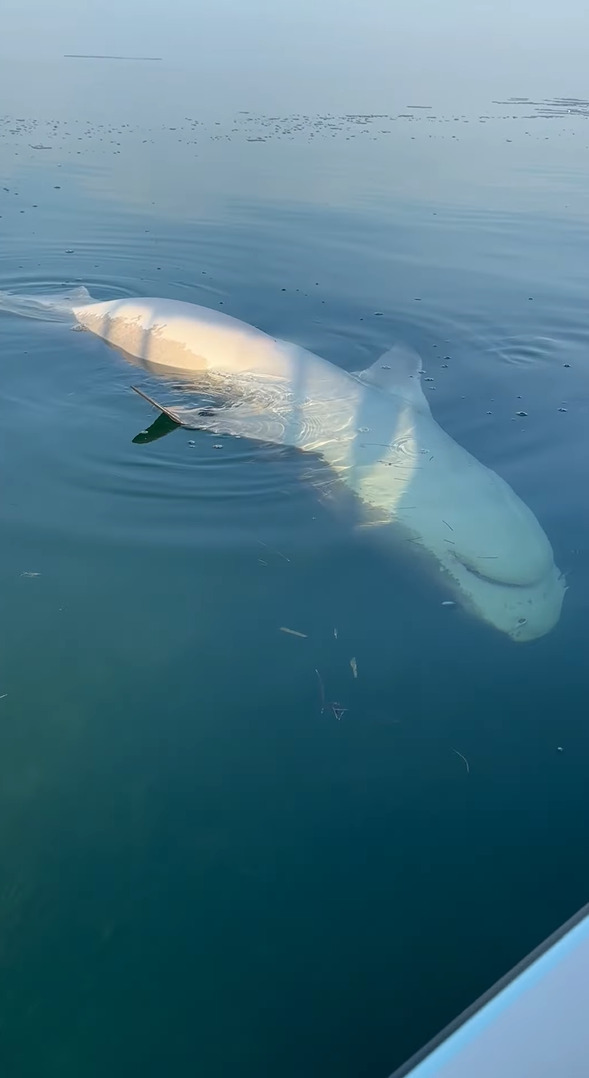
[373, 428]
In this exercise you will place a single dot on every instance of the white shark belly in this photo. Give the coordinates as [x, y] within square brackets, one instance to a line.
[183, 337]
[279, 391]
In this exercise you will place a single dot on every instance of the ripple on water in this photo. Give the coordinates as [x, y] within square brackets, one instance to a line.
[28, 283]
[528, 350]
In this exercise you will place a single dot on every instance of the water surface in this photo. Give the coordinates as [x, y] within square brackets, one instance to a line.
[200, 870]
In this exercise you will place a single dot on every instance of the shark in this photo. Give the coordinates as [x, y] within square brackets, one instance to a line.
[373, 428]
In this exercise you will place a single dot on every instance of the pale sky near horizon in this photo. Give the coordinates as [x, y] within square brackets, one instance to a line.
[333, 52]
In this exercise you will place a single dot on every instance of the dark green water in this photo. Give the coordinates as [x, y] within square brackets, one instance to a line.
[201, 872]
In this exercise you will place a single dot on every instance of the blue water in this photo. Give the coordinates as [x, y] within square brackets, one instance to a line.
[202, 872]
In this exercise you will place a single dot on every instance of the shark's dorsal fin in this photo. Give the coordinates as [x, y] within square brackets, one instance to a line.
[398, 372]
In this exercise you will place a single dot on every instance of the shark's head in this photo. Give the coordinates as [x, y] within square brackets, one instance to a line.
[488, 544]
[499, 556]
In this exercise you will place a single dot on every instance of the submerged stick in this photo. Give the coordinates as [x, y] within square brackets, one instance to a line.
[467, 765]
[273, 550]
[321, 690]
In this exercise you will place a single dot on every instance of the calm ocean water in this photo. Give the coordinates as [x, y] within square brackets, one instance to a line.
[201, 872]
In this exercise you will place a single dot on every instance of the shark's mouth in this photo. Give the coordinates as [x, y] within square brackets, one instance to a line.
[496, 569]
[488, 577]
[525, 611]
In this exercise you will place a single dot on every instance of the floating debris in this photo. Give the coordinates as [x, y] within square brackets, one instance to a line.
[292, 632]
[521, 413]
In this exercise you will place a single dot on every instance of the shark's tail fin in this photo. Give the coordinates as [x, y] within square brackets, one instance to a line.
[56, 307]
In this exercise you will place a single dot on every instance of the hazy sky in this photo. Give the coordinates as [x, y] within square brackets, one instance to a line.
[318, 49]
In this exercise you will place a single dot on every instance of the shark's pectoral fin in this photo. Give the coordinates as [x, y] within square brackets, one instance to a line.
[398, 372]
[190, 418]
[242, 420]
[172, 416]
